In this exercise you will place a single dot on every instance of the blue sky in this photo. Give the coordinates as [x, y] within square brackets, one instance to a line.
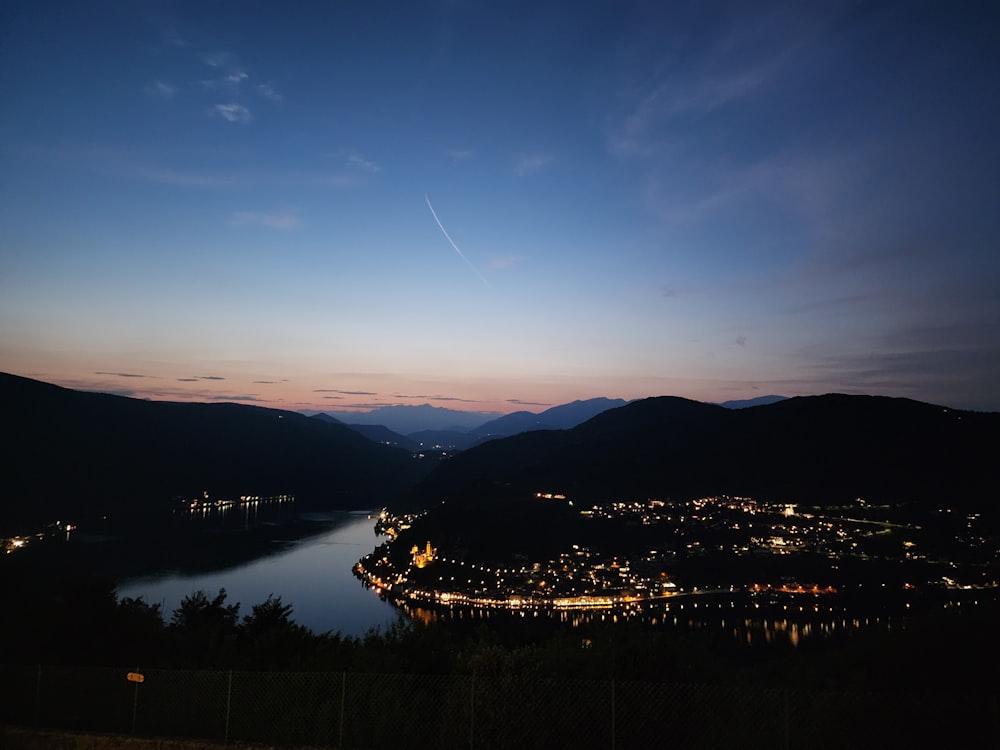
[236, 200]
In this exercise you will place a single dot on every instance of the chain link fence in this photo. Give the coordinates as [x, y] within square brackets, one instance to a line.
[352, 710]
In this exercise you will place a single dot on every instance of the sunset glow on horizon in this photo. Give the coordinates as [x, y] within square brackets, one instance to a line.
[493, 208]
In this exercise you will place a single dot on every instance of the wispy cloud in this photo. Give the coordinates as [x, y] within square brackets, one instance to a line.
[224, 60]
[244, 397]
[458, 154]
[529, 163]
[435, 397]
[161, 90]
[178, 178]
[232, 112]
[749, 51]
[174, 39]
[346, 393]
[501, 262]
[270, 93]
[356, 160]
[519, 402]
[285, 219]
[122, 374]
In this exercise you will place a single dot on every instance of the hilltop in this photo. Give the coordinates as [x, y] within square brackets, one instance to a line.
[91, 454]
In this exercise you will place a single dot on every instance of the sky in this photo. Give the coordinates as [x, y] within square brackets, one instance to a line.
[499, 206]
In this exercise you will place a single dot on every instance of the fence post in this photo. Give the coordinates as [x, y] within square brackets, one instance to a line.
[229, 703]
[38, 695]
[135, 700]
[612, 713]
[343, 697]
[788, 722]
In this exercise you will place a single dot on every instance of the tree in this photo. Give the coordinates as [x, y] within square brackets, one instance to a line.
[204, 630]
[269, 639]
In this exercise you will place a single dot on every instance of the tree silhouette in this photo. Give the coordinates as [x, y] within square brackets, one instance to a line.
[204, 630]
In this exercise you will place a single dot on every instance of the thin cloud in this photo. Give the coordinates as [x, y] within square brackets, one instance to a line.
[224, 60]
[346, 393]
[458, 154]
[529, 163]
[371, 406]
[174, 39]
[232, 112]
[210, 377]
[268, 91]
[741, 341]
[122, 374]
[519, 402]
[426, 397]
[356, 160]
[735, 68]
[179, 178]
[161, 90]
[501, 262]
[284, 220]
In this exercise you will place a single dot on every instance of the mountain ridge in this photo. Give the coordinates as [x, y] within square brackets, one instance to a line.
[826, 448]
[78, 453]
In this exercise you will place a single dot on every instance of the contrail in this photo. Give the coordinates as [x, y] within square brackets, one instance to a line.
[452, 242]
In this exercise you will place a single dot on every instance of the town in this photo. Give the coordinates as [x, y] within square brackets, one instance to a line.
[649, 553]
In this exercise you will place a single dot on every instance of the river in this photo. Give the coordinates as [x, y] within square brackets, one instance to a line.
[312, 574]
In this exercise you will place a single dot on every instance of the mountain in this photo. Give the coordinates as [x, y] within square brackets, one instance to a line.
[808, 449]
[385, 436]
[746, 403]
[74, 454]
[560, 417]
[427, 426]
[444, 439]
[406, 419]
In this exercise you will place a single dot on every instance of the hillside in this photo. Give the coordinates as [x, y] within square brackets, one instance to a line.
[809, 449]
[88, 454]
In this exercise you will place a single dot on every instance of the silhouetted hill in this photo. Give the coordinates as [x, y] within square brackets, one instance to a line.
[746, 403]
[76, 454]
[323, 417]
[407, 419]
[446, 439]
[809, 449]
[385, 436]
[560, 417]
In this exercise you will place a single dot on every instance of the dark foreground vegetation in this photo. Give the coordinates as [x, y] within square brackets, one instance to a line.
[70, 619]
[215, 670]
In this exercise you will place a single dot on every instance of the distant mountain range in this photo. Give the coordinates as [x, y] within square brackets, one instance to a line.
[406, 419]
[391, 425]
[72, 454]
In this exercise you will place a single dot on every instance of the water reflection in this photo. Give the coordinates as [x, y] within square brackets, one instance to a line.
[309, 567]
[746, 621]
[245, 511]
